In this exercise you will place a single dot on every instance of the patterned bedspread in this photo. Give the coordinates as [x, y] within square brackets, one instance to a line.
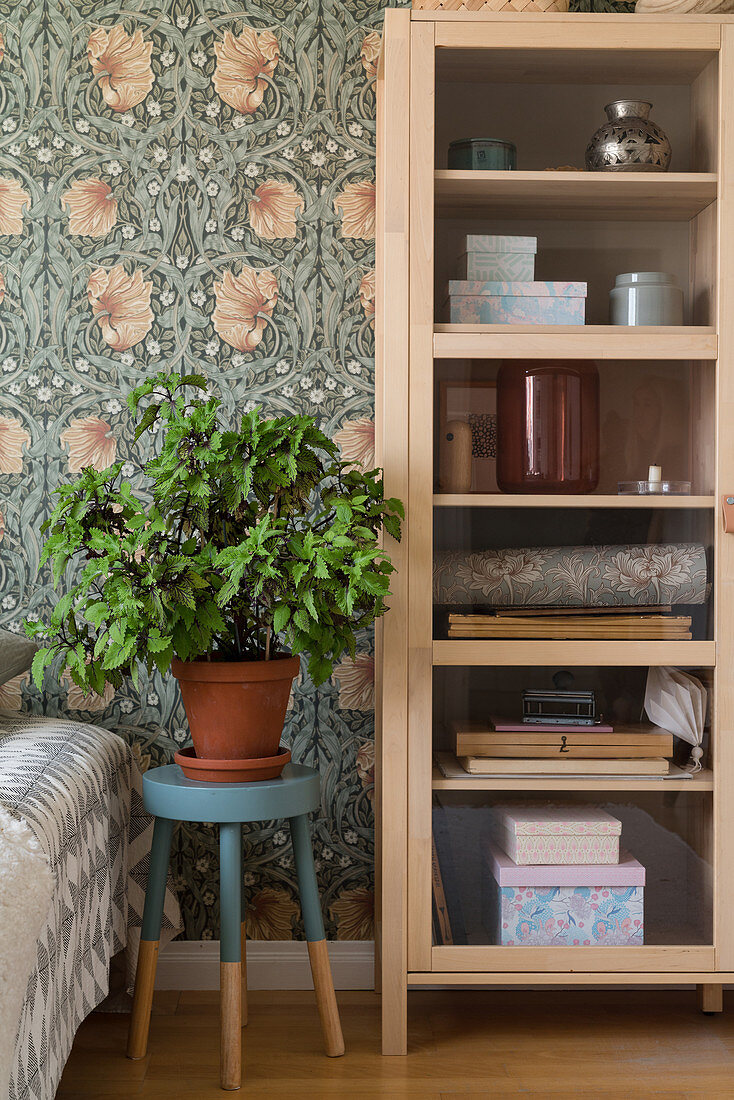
[79, 790]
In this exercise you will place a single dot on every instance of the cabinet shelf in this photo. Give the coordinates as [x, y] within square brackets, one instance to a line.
[701, 782]
[597, 196]
[503, 652]
[559, 500]
[600, 342]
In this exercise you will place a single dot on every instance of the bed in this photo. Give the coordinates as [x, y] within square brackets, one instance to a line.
[74, 848]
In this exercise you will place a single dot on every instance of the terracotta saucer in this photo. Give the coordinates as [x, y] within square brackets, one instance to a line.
[252, 770]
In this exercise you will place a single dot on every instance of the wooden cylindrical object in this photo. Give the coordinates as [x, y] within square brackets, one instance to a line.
[230, 1025]
[454, 456]
[325, 998]
[137, 1039]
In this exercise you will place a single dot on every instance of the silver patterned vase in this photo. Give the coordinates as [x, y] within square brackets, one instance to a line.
[629, 141]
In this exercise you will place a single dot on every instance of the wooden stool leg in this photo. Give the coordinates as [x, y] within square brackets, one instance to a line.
[155, 896]
[243, 953]
[230, 965]
[710, 998]
[318, 955]
[314, 924]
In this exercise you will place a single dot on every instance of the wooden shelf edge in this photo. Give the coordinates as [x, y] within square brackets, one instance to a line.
[616, 332]
[589, 196]
[601, 180]
[499, 652]
[538, 500]
[599, 342]
[454, 958]
[576, 977]
[701, 783]
[436, 16]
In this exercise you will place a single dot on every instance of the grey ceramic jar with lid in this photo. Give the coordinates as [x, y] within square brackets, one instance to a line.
[646, 298]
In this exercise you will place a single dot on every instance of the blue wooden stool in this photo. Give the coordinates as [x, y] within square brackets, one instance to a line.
[170, 797]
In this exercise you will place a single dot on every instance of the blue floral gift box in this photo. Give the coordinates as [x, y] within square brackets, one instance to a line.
[531, 303]
[563, 906]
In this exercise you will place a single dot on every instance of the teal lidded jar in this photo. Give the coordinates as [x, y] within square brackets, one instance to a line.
[477, 154]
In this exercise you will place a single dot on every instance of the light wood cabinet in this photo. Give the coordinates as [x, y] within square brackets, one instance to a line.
[543, 81]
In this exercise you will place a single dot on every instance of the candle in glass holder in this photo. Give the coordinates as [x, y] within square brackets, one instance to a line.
[655, 479]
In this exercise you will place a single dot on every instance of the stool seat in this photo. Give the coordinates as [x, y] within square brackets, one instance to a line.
[168, 793]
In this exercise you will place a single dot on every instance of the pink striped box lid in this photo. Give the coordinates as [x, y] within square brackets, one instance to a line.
[628, 872]
[527, 819]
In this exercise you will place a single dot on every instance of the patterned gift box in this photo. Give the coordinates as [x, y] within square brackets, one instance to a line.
[499, 259]
[560, 906]
[490, 242]
[504, 303]
[535, 834]
[501, 267]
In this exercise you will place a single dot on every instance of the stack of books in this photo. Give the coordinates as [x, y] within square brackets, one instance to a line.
[504, 747]
[600, 623]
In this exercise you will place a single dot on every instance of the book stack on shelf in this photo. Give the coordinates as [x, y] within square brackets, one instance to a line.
[542, 869]
[504, 747]
[603, 623]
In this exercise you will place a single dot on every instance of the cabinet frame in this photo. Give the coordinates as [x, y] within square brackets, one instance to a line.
[408, 341]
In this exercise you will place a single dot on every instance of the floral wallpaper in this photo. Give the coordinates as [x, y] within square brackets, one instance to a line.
[190, 183]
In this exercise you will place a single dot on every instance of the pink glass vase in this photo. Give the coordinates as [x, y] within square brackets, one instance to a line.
[547, 426]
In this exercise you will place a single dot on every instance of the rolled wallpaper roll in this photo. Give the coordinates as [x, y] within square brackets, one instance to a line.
[573, 576]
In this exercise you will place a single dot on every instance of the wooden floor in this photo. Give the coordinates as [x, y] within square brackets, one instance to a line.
[582, 1045]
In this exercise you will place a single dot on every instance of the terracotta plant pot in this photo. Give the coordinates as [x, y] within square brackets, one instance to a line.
[236, 709]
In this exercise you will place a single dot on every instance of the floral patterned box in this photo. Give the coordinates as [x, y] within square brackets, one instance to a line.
[516, 303]
[499, 259]
[540, 834]
[573, 576]
[561, 906]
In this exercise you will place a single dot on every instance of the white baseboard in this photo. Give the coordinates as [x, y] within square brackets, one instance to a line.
[271, 964]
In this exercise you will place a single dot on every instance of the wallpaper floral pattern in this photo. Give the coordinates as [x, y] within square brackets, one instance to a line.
[191, 183]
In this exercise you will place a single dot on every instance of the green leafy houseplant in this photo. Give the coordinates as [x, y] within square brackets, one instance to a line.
[250, 542]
